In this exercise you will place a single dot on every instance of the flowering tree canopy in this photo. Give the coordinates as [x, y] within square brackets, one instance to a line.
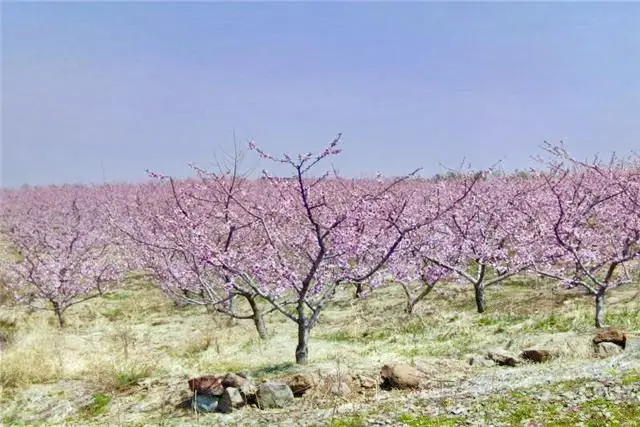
[65, 251]
[590, 222]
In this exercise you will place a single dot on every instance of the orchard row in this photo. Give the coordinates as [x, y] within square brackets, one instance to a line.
[291, 242]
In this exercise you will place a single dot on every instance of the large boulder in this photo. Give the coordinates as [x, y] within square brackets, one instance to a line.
[612, 335]
[274, 395]
[400, 376]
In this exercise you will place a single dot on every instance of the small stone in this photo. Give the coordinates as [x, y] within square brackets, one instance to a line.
[536, 356]
[400, 376]
[346, 408]
[502, 358]
[545, 396]
[458, 410]
[367, 382]
[340, 389]
[234, 396]
[230, 399]
[249, 387]
[274, 395]
[480, 361]
[249, 391]
[300, 384]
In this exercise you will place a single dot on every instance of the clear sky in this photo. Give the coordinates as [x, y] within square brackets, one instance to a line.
[121, 87]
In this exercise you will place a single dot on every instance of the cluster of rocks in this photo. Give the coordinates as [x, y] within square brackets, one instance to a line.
[606, 342]
[231, 391]
[223, 394]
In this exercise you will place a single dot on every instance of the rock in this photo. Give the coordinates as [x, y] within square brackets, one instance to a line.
[224, 405]
[249, 388]
[231, 399]
[367, 382]
[400, 376]
[274, 395]
[606, 349]
[536, 356]
[633, 345]
[346, 409]
[612, 335]
[480, 361]
[300, 384]
[249, 391]
[206, 385]
[502, 358]
[149, 383]
[205, 403]
[459, 410]
[340, 389]
[233, 380]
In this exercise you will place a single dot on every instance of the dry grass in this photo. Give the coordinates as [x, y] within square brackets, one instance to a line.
[22, 367]
[118, 345]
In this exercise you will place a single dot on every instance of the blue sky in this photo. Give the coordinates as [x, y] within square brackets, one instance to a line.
[93, 90]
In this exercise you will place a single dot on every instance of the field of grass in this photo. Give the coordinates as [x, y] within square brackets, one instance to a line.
[124, 359]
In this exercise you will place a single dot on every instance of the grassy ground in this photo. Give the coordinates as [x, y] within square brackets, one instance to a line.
[124, 359]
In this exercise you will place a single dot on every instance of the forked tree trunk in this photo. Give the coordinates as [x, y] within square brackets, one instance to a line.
[257, 316]
[58, 311]
[233, 304]
[359, 290]
[412, 302]
[410, 306]
[481, 303]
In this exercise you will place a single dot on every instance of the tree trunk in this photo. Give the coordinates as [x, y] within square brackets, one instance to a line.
[412, 302]
[258, 318]
[233, 308]
[359, 290]
[302, 349]
[59, 314]
[481, 303]
[600, 309]
[409, 308]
